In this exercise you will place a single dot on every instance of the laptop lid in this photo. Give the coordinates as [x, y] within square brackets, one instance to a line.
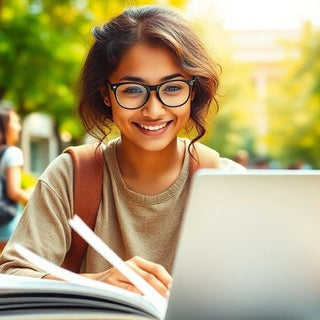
[249, 247]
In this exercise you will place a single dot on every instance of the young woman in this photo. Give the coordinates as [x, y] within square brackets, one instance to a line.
[11, 165]
[148, 73]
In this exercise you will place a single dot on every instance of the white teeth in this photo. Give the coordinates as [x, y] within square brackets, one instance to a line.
[152, 128]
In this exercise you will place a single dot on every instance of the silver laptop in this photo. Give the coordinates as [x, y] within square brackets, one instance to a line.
[249, 247]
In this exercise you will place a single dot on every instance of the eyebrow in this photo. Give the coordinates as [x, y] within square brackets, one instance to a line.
[137, 79]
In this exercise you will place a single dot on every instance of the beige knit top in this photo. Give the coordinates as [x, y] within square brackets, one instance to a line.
[130, 223]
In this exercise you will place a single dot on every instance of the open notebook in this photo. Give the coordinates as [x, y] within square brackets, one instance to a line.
[249, 249]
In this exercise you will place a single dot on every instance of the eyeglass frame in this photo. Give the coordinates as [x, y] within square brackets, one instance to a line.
[149, 88]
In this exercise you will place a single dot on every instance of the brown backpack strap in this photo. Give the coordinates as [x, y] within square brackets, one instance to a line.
[87, 193]
[203, 157]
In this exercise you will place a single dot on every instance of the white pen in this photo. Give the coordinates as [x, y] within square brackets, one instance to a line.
[106, 252]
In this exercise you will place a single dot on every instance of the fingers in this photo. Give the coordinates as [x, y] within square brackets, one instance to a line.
[123, 283]
[155, 274]
[113, 277]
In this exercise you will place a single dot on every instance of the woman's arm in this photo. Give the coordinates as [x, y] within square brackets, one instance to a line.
[13, 184]
[43, 227]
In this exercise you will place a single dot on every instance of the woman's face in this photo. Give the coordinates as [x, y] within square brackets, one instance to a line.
[153, 126]
[13, 130]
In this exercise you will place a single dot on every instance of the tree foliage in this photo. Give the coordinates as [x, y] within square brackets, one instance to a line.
[290, 110]
[231, 128]
[294, 105]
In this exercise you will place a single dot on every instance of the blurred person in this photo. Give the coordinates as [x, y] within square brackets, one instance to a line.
[242, 157]
[262, 163]
[11, 166]
[300, 165]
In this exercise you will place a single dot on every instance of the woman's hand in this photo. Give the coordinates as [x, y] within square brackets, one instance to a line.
[155, 274]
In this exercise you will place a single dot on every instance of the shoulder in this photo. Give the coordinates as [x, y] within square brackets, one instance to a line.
[68, 162]
[109, 151]
[230, 165]
[206, 157]
[13, 156]
[59, 169]
[203, 156]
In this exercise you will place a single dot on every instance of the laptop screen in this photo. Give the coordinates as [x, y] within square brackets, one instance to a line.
[249, 247]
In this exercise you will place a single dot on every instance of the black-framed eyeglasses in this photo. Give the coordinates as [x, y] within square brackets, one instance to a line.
[133, 95]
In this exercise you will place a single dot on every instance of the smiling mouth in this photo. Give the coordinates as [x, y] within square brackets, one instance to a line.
[152, 128]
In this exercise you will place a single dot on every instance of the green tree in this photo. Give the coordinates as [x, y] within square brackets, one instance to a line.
[40, 52]
[231, 129]
[295, 105]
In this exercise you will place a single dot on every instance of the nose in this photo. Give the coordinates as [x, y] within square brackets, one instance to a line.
[153, 107]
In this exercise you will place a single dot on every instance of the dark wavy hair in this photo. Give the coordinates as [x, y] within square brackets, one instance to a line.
[5, 109]
[151, 25]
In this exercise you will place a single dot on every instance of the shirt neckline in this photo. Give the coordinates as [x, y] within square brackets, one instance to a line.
[138, 197]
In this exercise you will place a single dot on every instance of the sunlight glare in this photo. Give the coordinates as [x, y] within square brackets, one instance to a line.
[257, 14]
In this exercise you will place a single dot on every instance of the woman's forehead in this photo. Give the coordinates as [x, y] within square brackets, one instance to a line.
[149, 63]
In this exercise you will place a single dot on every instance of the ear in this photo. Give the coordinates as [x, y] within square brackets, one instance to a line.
[105, 95]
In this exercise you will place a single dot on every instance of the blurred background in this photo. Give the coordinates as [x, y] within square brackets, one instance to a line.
[270, 83]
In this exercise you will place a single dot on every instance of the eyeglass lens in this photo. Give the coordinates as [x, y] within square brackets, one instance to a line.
[134, 95]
